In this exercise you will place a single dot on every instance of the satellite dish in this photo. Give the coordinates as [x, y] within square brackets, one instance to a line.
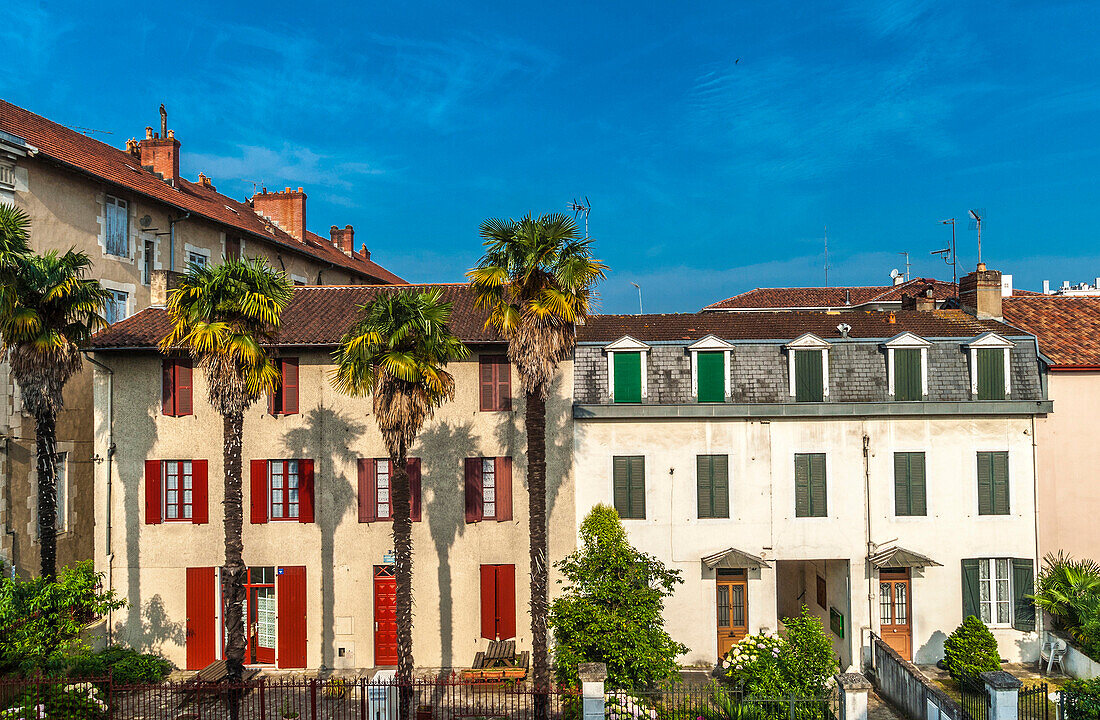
[146, 221]
[895, 273]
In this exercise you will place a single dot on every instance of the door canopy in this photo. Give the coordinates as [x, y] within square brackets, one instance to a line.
[732, 559]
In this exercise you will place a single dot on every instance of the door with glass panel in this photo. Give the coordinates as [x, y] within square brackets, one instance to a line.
[260, 612]
[895, 610]
[733, 608]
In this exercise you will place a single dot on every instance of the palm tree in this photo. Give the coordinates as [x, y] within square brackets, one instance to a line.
[536, 280]
[48, 309]
[226, 316]
[397, 351]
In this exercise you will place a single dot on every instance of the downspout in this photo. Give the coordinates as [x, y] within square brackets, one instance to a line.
[172, 243]
[107, 495]
[1035, 486]
[870, 544]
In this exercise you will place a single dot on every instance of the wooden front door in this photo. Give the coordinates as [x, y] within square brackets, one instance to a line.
[733, 608]
[202, 598]
[896, 610]
[385, 615]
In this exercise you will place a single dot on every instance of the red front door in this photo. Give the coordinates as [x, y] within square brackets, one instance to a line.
[201, 606]
[385, 615]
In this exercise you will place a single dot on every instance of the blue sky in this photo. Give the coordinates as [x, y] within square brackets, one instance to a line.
[714, 140]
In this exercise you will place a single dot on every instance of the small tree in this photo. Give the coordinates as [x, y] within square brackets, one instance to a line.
[971, 649]
[41, 619]
[611, 611]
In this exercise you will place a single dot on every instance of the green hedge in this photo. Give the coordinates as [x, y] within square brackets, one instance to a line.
[123, 664]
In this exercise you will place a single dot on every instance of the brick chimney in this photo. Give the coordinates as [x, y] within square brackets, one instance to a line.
[161, 154]
[343, 239]
[287, 209]
[924, 301]
[980, 293]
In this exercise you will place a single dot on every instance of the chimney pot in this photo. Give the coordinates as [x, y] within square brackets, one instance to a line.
[171, 133]
[300, 189]
[1046, 287]
[148, 132]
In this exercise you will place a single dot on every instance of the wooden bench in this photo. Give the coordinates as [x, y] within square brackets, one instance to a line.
[210, 681]
[498, 663]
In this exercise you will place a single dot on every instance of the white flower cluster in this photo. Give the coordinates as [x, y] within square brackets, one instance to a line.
[25, 711]
[751, 648]
[624, 706]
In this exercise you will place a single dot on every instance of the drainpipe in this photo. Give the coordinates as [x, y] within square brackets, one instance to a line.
[1035, 486]
[171, 243]
[110, 455]
[870, 544]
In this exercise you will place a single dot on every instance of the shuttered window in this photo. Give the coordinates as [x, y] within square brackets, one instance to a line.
[176, 381]
[495, 380]
[991, 373]
[907, 374]
[996, 590]
[281, 490]
[993, 483]
[498, 602]
[809, 485]
[711, 373]
[284, 401]
[712, 479]
[375, 498]
[628, 377]
[488, 489]
[809, 384]
[909, 484]
[116, 226]
[629, 490]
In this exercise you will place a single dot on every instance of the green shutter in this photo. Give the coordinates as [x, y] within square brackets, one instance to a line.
[993, 498]
[818, 496]
[637, 488]
[909, 489]
[991, 374]
[712, 472]
[1023, 585]
[907, 375]
[970, 589]
[629, 490]
[704, 472]
[1000, 483]
[802, 485]
[721, 464]
[985, 483]
[809, 385]
[628, 377]
[711, 371]
[622, 486]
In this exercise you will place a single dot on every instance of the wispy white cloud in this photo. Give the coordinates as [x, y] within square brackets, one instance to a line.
[287, 164]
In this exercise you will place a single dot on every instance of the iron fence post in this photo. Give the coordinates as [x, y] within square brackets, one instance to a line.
[363, 698]
[313, 698]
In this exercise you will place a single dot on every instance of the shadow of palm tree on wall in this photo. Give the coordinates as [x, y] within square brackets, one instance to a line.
[328, 437]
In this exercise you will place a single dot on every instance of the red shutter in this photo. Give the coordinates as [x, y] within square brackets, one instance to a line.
[504, 488]
[258, 491]
[152, 492]
[201, 591]
[473, 489]
[506, 601]
[290, 595]
[488, 383]
[413, 468]
[167, 386]
[504, 384]
[368, 484]
[488, 602]
[184, 404]
[305, 491]
[200, 514]
[290, 386]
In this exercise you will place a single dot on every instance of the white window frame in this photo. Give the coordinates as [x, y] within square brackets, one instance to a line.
[907, 341]
[381, 474]
[115, 301]
[190, 250]
[710, 343]
[179, 489]
[297, 472]
[110, 200]
[626, 344]
[808, 341]
[61, 496]
[989, 341]
[991, 564]
[488, 468]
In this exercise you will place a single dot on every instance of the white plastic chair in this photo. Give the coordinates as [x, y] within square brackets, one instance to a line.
[1054, 650]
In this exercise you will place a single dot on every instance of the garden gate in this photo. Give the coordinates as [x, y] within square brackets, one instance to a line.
[1034, 703]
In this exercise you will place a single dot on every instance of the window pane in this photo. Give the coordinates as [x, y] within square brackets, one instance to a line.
[901, 608]
[723, 606]
[885, 603]
[737, 605]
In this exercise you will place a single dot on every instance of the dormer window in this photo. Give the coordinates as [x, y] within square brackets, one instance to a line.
[710, 369]
[990, 369]
[907, 367]
[808, 368]
[626, 370]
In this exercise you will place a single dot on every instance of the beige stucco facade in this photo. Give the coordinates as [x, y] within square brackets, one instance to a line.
[67, 210]
[762, 518]
[146, 563]
[1069, 494]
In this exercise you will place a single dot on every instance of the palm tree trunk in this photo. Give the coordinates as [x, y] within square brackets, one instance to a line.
[45, 429]
[234, 570]
[535, 421]
[402, 550]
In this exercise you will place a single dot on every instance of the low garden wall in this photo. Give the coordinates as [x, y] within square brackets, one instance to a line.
[1076, 663]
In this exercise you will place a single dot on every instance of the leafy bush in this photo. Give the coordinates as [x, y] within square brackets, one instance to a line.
[619, 705]
[1081, 698]
[611, 611]
[971, 649]
[800, 664]
[82, 700]
[1070, 591]
[124, 664]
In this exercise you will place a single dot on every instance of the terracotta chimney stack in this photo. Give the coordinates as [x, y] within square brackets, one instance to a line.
[980, 293]
[287, 209]
[344, 239]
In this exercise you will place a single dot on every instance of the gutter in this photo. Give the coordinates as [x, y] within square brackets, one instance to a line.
[110, 456]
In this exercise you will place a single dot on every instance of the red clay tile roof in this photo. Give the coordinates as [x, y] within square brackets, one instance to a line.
[318, 315]
[807, 298]
[110, 164]
[1068, 328]
[765, 325]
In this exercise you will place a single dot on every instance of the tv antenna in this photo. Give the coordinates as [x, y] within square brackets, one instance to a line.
[976, 216]
[826, 255]
[580, 208]
[949, 257]
[639, 296]
[86, 131]
[907, 265]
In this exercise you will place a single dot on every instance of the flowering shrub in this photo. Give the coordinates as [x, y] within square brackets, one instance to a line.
[754, 659]
[624, 706]
[768, 665]
[80, 700]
